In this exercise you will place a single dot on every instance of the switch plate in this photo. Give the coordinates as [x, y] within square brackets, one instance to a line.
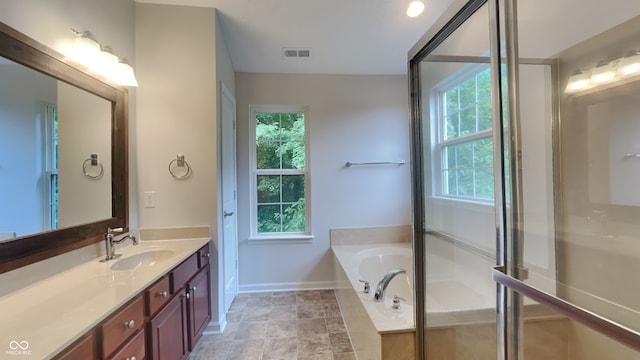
[149, 199]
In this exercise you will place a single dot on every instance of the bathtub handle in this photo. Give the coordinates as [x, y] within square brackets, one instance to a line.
[367, 287]
[396, 302]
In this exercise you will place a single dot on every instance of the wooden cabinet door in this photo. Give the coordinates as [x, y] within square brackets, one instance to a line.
[82, 349]
[168, 331]
[199, 308]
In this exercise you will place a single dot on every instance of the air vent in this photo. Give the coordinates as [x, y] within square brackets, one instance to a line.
[296, 52]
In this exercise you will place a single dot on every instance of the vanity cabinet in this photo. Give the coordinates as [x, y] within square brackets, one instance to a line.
[168, 336]
[162, 322]
[176, 329]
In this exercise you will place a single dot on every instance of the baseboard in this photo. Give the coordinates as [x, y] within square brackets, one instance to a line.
[216, 327]
[292, 286]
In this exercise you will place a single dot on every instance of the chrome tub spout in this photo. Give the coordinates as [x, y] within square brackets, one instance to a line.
[382, 284]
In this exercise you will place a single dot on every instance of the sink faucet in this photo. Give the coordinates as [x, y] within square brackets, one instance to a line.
[109, 241]
[382, 285]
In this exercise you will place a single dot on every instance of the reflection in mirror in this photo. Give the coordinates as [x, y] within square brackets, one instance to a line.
[87, 167]
[48, 130]
[613, 132]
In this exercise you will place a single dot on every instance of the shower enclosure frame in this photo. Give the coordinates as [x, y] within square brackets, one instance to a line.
[509, 270]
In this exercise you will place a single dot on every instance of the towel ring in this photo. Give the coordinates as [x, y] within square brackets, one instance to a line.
[92, 161]
[179, 161]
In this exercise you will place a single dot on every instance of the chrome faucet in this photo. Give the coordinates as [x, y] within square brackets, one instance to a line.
[382, 285]
[110, 241]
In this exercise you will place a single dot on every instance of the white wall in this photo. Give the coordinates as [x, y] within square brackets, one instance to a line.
[84, 123]
[111, 22]
[351, 118]
[22, 94]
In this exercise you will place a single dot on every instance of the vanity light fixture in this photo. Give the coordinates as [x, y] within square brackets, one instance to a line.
[415, 8]
[101, 59]
[619, 71]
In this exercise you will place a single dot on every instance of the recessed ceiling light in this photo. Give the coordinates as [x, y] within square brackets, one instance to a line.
[415, 8]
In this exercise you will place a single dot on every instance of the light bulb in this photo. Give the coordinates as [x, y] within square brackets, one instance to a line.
[415, 8]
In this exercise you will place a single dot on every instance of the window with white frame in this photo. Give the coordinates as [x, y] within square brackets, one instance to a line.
[280, 177]
[465, 143]
[50, 166]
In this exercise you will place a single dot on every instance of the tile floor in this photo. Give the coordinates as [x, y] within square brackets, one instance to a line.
[293, 325]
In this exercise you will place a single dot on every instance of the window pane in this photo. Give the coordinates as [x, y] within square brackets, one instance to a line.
[293, 126]
[268, 189]
[484, 153]
[468, 92]
[484, 115]
[294, 217]
[293, 155]
[451, 101]
[468, 121]
[451, 122]
[292, 188]
[484, 183]
[268, 155]
[267, 126]
[450, 180]
[465, 182]
[449, 157]
[483, 83]
[464, 155]
[269, 218]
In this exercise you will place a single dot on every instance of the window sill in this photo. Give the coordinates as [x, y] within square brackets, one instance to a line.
[280, 239]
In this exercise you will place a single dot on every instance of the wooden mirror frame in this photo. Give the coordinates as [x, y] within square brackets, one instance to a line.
[25, 250]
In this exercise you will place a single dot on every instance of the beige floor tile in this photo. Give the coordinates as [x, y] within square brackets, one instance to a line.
[283, 348]
[311, 326]
[309, 345]
[251, 330]
[340, 343]
[282, 329]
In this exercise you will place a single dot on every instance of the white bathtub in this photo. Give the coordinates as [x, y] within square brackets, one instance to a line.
[459, 290]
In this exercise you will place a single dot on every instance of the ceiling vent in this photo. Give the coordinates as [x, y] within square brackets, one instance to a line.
[296, 52]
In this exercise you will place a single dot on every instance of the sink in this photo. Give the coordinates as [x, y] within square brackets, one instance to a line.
[146, 258]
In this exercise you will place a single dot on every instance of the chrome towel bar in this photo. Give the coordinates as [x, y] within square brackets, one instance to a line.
[349, 163]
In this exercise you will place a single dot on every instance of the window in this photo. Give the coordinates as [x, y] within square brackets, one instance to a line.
[279, 180]
[465, 137]
[50, 167]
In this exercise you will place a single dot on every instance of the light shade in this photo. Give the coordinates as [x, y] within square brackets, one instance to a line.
[86, 50]
[629, 65]
[604, 73]
[415, 8]
[125, 75]
[579, 81]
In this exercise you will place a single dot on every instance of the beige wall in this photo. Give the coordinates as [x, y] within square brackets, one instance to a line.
[351, 118]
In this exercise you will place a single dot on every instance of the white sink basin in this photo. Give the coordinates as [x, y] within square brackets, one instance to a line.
[147, 258]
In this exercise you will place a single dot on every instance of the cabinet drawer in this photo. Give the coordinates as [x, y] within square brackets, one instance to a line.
[157, 295]
[121, 325]
[183, 273]
[204, 254]
[133, 350]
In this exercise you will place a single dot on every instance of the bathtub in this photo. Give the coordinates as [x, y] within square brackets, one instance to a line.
[459, 291]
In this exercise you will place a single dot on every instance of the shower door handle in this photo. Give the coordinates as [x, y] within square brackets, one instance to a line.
[226, 214]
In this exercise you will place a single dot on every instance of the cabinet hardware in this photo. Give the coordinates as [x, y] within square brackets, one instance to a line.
[131, 358]
[129, 324]
[163, 294]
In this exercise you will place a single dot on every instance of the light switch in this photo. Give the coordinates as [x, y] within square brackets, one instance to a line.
[149, 199]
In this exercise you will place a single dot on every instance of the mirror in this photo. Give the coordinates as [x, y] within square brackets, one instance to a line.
[63, 158]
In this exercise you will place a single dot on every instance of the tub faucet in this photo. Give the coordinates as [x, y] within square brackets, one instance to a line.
[382, 285]
[110, 241]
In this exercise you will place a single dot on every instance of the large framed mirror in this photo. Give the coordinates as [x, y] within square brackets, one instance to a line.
[63, 153]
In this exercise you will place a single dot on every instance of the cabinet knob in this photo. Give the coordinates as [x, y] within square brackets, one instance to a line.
[207, 255]
[163, 294]
[188, 296]
[131, 358]
[193, 289]
[129, 324]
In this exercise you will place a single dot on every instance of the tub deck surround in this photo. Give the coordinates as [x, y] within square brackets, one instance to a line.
[49, 315]
[357, 262]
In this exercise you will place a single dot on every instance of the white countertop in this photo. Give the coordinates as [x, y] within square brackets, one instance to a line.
[42, 319]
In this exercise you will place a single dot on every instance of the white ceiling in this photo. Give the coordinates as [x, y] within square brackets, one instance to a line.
[345, 36]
